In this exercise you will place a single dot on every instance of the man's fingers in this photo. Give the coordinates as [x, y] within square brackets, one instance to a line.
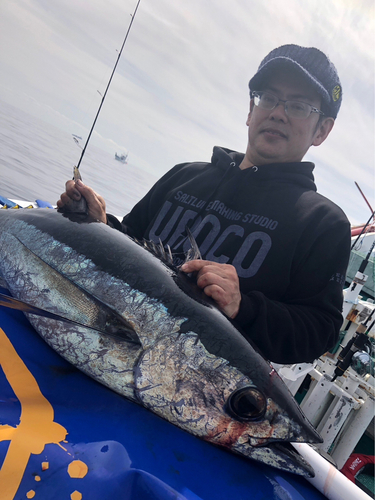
[217, 293]
[218, 281]
[193, 266]
[64, 200]
[207, 278]
[90, 195]
[72, 191]
[75, 191]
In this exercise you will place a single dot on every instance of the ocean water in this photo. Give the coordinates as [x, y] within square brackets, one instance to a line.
[36, 159]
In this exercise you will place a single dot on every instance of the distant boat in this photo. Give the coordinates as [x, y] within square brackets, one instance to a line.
[77, 137]
[121, 158]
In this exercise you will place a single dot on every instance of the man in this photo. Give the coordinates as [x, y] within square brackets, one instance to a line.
[274, 251]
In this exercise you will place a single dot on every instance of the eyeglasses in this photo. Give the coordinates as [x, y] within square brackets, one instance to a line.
[294, 109]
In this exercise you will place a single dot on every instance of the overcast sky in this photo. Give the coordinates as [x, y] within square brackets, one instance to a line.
[181, 84]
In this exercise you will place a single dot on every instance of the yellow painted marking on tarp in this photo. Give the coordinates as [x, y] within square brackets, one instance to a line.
[77, 469]
[62, 447]
[36, 427]
[76, 495]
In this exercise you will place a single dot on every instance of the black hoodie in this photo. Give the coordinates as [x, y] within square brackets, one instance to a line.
[289, 245]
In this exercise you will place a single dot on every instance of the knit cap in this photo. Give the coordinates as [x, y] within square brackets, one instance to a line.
[310, 62]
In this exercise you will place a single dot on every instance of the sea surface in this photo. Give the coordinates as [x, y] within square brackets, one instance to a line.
[36, 159]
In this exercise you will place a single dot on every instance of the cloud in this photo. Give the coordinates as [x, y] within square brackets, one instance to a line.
[181, 84]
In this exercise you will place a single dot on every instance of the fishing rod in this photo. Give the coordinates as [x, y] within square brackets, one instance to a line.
[372, 216]
[359, 342]
[106, 90]
[364, 197]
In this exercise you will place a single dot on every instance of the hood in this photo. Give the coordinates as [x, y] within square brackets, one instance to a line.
[300, 173]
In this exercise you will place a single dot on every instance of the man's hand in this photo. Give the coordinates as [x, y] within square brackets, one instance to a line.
[95, 202]
[219, 281]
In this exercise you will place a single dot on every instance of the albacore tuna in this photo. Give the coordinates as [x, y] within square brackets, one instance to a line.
[154, 336]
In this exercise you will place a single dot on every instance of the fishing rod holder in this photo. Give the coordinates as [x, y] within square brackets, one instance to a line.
[341, 410]
[351, 294]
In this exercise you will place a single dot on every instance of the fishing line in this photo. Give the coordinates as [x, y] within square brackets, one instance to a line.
[106, 90]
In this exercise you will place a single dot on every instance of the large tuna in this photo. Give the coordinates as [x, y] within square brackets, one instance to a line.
[154, 336]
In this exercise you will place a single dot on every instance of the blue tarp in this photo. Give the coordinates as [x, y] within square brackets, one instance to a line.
[113, 449]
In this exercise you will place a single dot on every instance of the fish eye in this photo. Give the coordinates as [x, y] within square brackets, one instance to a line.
[247, 404]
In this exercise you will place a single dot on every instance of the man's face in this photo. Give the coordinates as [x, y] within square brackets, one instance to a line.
[273, 136]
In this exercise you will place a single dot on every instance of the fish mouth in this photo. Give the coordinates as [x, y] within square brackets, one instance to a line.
[285, 457]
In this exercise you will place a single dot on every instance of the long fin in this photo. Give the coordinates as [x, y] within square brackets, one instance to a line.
[20, 305]
[130, 334]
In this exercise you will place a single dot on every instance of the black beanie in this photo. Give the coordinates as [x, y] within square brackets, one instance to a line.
[311, 63]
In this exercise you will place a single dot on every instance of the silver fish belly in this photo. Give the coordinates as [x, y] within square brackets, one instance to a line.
[168, 348]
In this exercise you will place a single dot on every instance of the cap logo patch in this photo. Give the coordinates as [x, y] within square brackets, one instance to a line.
[336, 93]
